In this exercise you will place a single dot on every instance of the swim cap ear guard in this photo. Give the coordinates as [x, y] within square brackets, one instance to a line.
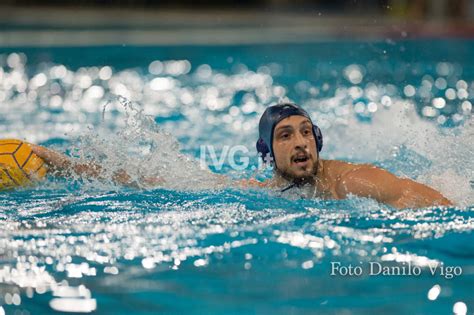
[262, 148]
[271, 117]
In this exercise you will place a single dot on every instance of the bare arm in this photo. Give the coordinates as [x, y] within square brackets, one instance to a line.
[373, 182]
[251, 182]
[63, 165]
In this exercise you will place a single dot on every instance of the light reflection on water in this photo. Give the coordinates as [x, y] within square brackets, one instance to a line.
[80, 248]
[60, 250]
[200, 93]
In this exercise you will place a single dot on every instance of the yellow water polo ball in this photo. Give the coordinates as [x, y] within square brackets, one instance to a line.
[19, 166]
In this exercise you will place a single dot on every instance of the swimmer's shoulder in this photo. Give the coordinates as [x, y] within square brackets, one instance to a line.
[336, 170]
[335, 176]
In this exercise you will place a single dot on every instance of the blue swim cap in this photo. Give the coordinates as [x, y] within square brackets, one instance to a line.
[271, 117]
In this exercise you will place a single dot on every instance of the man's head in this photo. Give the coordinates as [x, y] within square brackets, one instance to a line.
[288, 135]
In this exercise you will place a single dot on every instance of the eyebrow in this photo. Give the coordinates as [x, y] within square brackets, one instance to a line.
[289, 127]
[284, 127]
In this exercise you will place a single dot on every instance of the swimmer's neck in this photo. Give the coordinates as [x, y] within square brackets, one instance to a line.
[281, 181]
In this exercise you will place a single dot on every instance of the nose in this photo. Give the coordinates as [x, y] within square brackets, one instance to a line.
[300, 141]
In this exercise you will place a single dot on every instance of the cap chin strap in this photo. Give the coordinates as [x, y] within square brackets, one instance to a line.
[294, 184]
[288, 188]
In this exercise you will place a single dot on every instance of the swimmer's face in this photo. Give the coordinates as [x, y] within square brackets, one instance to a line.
[294, 148]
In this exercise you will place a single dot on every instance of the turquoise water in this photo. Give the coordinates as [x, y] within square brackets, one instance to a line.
[190, 247]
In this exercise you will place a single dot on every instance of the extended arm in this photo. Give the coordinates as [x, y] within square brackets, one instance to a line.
[373, 182]
[63, 165]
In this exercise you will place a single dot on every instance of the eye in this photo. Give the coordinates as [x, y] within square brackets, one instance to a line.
[285, 135]
[306, 132]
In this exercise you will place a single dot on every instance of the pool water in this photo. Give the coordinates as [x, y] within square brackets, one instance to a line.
[192, 247]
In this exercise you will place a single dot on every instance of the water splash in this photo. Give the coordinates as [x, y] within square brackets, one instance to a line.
[144, 151]
[362, 120]
[61, 243]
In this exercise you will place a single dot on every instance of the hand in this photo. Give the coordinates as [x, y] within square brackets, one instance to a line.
[64, 165]
[52, 158]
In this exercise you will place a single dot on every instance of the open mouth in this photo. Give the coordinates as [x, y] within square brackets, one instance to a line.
[301, 159]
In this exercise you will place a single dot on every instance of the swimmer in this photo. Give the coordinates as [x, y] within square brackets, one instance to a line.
[291, 142]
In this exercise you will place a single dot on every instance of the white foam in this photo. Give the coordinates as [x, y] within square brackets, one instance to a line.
[445, 155]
